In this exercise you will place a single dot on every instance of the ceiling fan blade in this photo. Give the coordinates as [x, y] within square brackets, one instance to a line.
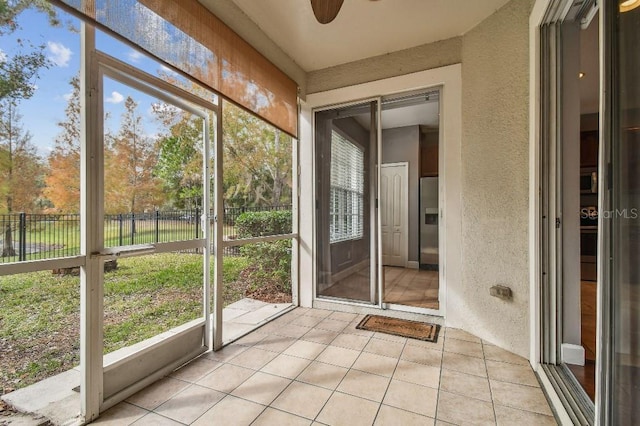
[326, 10]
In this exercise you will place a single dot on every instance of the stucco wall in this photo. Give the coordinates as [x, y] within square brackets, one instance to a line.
[495, 170]
[427, 56]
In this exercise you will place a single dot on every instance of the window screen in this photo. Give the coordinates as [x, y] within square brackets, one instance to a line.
[346, 211]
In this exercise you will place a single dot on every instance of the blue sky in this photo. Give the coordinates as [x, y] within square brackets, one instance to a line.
[42, 112]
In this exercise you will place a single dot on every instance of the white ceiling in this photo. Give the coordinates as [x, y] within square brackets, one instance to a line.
[426, 114]
[590, 66]
[363, 28]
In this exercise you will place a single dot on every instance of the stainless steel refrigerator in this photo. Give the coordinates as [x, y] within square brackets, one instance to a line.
[429, 223]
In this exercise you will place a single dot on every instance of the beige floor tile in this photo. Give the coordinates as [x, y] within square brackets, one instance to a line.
[275, 343]
[302, 399]
[231, 411]
[464, 347]
[121, 414]
[342, 409]
[522, 397]
[495, 353]
[506, 416]
[343, 316]
[376, 364]
[390, 338]
[419, 374]
[226, 378]
[384, 347]
[226, 353]
[305, 349]
[351, 329]
[422, 355]
[332, 325]
[410, 397]
[320, 336]
[153, 419]
[465, 384]
[190, 404]
[250, 339]
[437, 345]
[306, 321]
[291, 330]
[261, 388]
[161, 391]
[286, 366]
[464, 364]
[459, 409]
[391, 416]
[364, 385]
[512, 373]
[456, 333]
[350, 341]
[253, 358]
[324, 375]
[195, 370]
[271, 417]
[320, 313]
[341, 357]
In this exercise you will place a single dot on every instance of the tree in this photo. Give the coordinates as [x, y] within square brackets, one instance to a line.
[130, 160]
[257, 160]
[179, 164]
[63, 178]
[20, 167]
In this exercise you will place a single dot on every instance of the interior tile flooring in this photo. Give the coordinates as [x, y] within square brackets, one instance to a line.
[403, 286]
[313, 366]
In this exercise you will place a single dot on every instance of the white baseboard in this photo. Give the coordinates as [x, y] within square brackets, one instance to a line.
[572, 354]
[412, 264]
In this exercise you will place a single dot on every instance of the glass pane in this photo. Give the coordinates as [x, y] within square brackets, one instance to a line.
[39, 133]
[257, 286]
[39, 326]
[346, 191]
[153, 169]
[626, 222]
[148, 295]
[258, 164]
[409, 192]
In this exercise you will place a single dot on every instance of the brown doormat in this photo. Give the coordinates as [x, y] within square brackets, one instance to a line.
[400, 327]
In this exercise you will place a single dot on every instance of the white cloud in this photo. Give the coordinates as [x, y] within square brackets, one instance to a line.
[134, 56]
[67, 96]
[3, 56]
[115, 98]
[59, 53]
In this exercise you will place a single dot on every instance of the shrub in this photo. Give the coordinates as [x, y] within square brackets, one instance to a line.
[270, 263]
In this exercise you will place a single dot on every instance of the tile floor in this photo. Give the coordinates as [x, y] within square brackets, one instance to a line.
[312, 366]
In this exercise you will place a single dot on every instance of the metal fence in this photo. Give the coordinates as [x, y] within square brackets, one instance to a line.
[26, 236]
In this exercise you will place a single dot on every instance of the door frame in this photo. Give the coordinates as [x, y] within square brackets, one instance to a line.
[405, 219]
[448, 80]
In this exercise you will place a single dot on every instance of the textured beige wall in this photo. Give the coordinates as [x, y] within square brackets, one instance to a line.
[495, 170]
[427, 56]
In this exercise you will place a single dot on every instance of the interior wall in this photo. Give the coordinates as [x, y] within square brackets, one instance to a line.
[495, 172]
[402, 144]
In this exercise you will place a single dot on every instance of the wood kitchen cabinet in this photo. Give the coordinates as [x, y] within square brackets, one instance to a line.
[589, 148]
[429, 154]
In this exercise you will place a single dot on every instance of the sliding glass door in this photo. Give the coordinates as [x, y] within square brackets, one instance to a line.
[346, 192]
[620, 297]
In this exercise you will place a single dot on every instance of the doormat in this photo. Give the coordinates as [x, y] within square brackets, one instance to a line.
[400, 327]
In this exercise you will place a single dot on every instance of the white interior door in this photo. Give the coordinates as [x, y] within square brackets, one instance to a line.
[394, 213]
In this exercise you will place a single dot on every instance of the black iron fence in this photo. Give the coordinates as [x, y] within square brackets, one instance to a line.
[26, 236]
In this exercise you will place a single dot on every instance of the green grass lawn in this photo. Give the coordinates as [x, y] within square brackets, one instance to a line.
[144, 296]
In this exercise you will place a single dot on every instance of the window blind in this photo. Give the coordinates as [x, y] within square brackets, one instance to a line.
[186, 35]
[346, 209]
